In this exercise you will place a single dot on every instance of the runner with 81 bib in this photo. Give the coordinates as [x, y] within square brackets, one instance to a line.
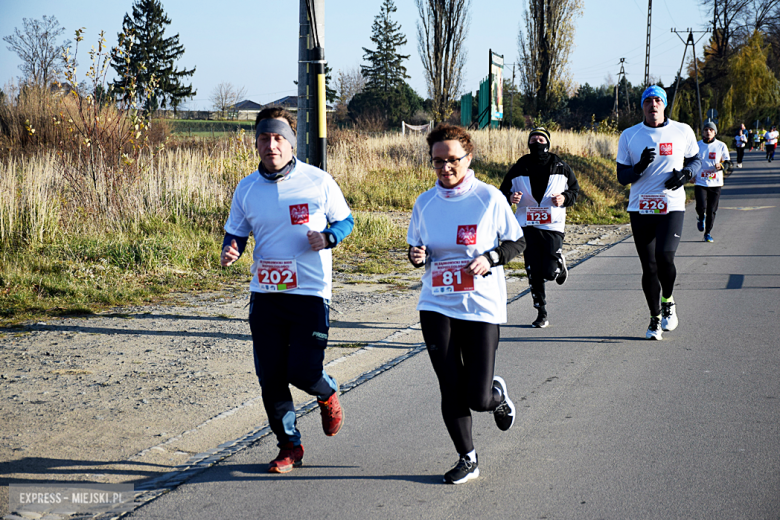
[462, 231]
[657, 157]
[296, 213]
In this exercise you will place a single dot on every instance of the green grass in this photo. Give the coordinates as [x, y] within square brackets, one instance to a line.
[85, 274]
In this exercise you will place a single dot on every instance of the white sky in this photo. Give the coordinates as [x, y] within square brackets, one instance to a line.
[254, 44]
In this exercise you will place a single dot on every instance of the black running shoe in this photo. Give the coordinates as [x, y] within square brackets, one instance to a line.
[463, 471]
[504, 414]
[564, 274]
[541, 320]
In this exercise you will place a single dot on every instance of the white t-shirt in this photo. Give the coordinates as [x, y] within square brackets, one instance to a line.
[741, 140]
[771, 137]
[673, 143]
[455, 231]
[711, 154]
[279, 214]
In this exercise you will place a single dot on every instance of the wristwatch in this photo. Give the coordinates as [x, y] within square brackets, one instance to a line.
[331, 239]
[493, 257]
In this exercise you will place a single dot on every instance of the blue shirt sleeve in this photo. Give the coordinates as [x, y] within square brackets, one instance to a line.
[341, 229]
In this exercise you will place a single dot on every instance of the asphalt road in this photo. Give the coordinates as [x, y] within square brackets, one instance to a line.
[610, 425]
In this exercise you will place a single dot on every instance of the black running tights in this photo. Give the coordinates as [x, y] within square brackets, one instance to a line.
[542, 255]
[656, 238]
[463, 354]
[707, 199]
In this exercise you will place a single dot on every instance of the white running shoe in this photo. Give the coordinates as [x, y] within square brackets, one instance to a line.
[669, 319]
[654, 331]
[564, 274]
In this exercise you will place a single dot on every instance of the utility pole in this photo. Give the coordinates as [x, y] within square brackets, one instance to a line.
[647, 52]
[312, 123]
[512, 98]
[622, 74]
[689, 41]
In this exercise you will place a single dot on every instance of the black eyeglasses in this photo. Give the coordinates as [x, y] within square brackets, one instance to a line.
[439, 163]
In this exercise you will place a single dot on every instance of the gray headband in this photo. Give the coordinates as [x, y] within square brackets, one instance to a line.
[276, 126]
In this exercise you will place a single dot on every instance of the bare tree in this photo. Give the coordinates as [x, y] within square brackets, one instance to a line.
[758, 15]
[349, 83]
[225, 96]
[441, 34]
[544, 51]
[727, 17]
[36, 46]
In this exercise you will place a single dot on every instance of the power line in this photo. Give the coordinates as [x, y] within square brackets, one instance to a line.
[689, 41]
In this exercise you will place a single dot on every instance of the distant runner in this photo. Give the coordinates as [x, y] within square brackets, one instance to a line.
[770, 139]
[296, 213]
[543, 186]
[741, 142]
[656, 203]
[715, 160]
[463, 232]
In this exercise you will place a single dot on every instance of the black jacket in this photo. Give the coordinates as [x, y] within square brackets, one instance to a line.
[539, 176]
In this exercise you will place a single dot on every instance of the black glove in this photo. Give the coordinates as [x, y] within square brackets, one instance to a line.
[648, 156]
[678, 178]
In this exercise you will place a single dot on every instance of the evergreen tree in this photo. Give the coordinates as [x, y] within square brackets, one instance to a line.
[371, 104]
[385, 73]
[330, 93]
[151, 59]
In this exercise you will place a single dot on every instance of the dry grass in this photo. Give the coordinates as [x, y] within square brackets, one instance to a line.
[388, 171]
[79, 233]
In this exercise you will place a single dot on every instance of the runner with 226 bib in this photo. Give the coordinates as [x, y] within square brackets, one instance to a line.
[657, 157]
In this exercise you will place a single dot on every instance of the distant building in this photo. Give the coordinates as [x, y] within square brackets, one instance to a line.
[245, 110]
[291, 103]
[287, 102]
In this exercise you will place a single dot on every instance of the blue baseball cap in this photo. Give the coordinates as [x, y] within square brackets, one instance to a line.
[654, 91]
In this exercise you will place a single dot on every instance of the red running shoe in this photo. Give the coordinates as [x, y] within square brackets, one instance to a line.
[332, 415]
[290, 456]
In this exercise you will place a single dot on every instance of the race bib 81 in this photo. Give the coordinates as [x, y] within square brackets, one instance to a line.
[448, 277]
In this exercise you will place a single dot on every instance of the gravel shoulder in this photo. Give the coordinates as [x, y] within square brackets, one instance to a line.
[129, 395]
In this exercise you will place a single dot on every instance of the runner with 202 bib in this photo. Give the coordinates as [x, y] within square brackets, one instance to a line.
[463, 231]
[296, 213]
[657, 157]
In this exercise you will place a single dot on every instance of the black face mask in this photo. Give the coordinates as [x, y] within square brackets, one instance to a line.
[540, 151]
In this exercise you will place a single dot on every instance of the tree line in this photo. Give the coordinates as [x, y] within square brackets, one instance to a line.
[144, 59]
[737, 74]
